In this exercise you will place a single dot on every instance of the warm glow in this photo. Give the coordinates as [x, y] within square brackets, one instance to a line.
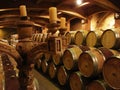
[78, 2]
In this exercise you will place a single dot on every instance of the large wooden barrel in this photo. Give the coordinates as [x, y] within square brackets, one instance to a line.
[8, 77]
[68, 36]
[52, 70]
[57, 58]
[111, 72]
[44, 66]
[111, 38]
[47, 56]
[71, 55]
[93, 39]
[62, 75]
[90, 62]
[98, 85]
[77, 81]
[76, 37]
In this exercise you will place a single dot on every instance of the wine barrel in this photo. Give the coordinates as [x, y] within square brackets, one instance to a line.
[8, 74]
[108, 52]
[44, 66]
[68, 36]
[111, 39]
[77, 81]
[111, 72]
[98, 85]
[47, 56]
[62, 75]
[57, 58]
[77, 37]
[71, 55]
[52, 69]
[93, 39]
[90, 62]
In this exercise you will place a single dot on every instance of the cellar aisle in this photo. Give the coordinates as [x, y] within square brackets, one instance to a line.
[44, 83]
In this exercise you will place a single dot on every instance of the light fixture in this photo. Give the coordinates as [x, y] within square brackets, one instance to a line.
[78, 2]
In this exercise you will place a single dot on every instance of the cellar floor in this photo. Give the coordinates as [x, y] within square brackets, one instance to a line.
[43, 83]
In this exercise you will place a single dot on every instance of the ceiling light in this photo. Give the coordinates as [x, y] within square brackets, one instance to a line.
[78, 2]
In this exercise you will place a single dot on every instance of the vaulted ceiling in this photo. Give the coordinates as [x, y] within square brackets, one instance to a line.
[38, 9]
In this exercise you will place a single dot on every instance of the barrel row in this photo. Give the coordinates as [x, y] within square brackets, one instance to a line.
[8, 74]
[84, 63]
[108, 38]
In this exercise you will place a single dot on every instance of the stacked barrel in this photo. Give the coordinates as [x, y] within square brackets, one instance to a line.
[91, 61]
[8, 73]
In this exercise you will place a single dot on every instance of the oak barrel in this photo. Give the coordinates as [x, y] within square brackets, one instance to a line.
[8, 75]
[93, 38]
[47, 56]
[71, 55]
[98, 85]
[44, 66]
[57, 58]
[77, 81]
[111, 39]
[111, 72]
[62, 75]
[77, 37]
[90, 63]
[68, 36]
[52, 70]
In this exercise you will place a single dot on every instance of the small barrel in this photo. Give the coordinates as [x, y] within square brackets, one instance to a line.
[77, 37]
[52, 70]
[111, 39]
[68, 36]
[71, 55]
[8, 76]
[90, 63]
[62, 75]
[57, 58]
[108, 52]
[77, 81]
[98, 85]
[44, 66]
[93, 39]
[111, 72]
[47, 56]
